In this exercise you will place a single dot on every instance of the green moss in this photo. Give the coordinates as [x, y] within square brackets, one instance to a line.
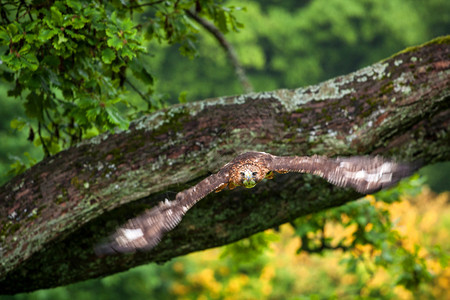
[75, 182]
[9, 228]
[63, 196]
[173, 121]
[437, 41]
[35, 213]
[387, 88]
[116, 153]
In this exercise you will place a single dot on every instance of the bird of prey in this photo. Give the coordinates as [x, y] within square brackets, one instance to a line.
[365, 174]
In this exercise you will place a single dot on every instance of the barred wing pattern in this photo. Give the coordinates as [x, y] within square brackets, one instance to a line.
[363, 173]
[146, 230]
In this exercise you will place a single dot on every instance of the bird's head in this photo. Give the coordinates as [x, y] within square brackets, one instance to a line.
[250, 175]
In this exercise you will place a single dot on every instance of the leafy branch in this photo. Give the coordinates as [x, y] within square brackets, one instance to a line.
[85, 53]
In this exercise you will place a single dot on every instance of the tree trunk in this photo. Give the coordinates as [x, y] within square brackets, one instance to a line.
[53, 214]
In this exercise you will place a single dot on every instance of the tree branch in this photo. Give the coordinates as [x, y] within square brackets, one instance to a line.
[146, 4]
[53, 214]
[227, 47]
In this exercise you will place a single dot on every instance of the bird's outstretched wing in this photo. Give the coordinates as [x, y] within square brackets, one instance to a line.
[146, 230]
[362, 173]
[365, 174]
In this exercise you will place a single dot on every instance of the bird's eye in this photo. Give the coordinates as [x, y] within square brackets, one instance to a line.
[254, 173]
[242, 174]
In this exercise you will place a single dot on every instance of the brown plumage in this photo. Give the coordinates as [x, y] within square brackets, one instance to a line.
[362, 173]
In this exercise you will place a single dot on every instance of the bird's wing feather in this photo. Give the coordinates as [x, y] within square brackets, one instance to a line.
[146, 230]
[363, 173]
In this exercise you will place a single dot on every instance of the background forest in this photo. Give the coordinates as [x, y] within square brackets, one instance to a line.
[393, 244]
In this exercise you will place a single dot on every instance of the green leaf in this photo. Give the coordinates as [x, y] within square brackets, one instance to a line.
[57, 16]
[33, 106]
[86, 102]
[74, 35]
[116, 118]
[8, 58]
[17, 124]
[30, 38]
[17, 167]
[12, 29]
[61, 39]
[92, 114]
[30, 61]
[182, 97]
[113, 17]
[47, 34]
[108, 55]
[53, 146]
[79, 22]
[4, 35]
[24, 49]
[222, 21]
[30, 26]
[140, 71]
[126, 25]
[17, 37]
[75, 5]
[126, 52]
[115, 42]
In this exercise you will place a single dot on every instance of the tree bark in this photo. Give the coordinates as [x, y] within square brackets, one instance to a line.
[53, 214]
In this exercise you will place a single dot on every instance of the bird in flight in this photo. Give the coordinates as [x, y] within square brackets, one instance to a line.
[365, 174]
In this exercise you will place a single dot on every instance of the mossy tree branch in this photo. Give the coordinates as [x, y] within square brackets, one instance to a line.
[53, 214]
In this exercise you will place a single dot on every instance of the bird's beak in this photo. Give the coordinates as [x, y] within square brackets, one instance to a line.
[248, 176]
[248, 181]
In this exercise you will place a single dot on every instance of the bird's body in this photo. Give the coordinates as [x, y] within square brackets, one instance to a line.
[245, 170]
[362, 173]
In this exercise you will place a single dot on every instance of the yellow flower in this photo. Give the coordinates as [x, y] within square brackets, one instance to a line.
[178, 267]
[179, 289]
[402, 293]
[267, 273]
[236, 283]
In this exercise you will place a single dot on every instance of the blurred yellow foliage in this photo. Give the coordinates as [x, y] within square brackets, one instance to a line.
[281, 273]
[178, 267]
[236, 284]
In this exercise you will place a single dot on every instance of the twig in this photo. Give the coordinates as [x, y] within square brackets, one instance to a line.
[232, 56]
[149, 103]
[47, 153]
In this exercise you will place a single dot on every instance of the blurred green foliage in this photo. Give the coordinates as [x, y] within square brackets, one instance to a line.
[372, 226]
[437, 176]
[73, 69]
[98, 65]
[15, 147]
[73, 64]
[287, 44]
